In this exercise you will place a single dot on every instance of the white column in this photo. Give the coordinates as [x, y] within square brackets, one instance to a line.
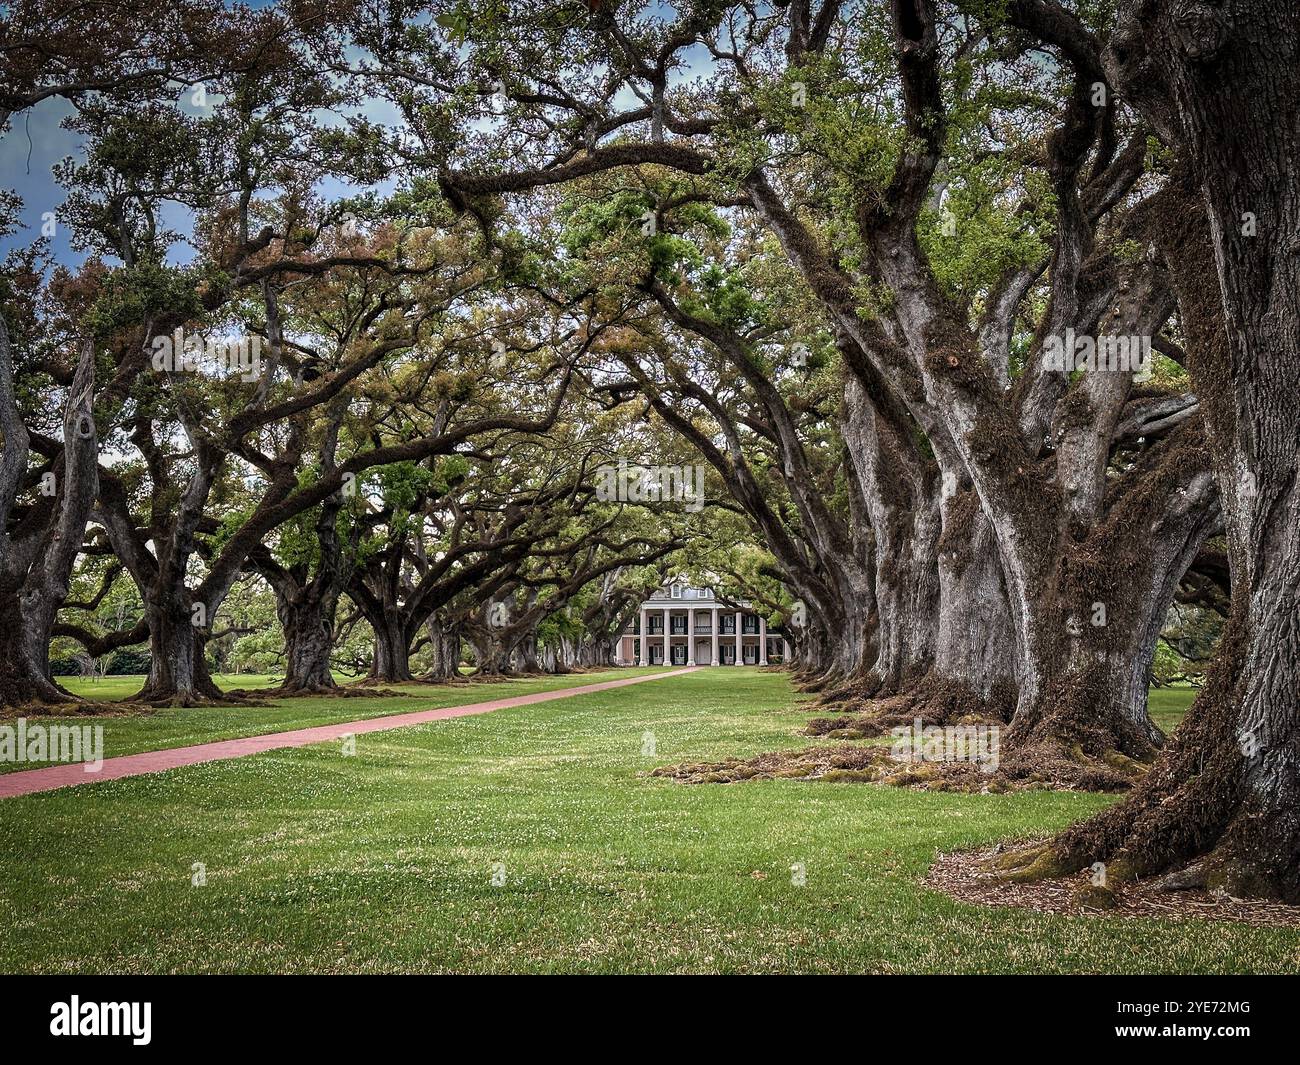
[740, 658]
[762, 640]
[643, 646]
[690, 635]
[668, 657]
[713, 628]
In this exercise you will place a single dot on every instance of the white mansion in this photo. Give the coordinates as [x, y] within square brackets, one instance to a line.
[687, 626]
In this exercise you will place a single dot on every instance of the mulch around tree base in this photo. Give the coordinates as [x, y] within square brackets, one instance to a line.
[962, 876]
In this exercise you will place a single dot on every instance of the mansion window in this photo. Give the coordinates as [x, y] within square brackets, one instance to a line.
[727, 624]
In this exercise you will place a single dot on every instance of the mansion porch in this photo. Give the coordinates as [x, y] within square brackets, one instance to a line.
[685, 626]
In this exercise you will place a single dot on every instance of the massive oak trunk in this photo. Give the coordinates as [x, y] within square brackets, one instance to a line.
[1091, 617]
[178, 672]
[23, 679]
[945, 644]
[444, 650]
[35, 569]
[974, 655]
[308, 623]
[599, 650]
[1222, 806]
[392, 650]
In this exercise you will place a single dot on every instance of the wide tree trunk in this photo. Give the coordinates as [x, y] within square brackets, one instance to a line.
[1089, 612]
[444, 651]
[597, 651]
[308, 624]
[492, 656]
[35, 572]
[527, 650]
[1222, 806]
[178, 671]
[974, 652]
[392, 663]
[945, 641]
[23, 673]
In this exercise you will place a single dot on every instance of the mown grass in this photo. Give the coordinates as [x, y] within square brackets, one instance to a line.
[131, 733]
[385, 861]
[1167, 705]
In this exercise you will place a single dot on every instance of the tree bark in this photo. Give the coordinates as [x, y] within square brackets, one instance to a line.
[178, 672]
[392, 651]
[1221, 808]
[35, 571]
[444, 650]
[308, 624]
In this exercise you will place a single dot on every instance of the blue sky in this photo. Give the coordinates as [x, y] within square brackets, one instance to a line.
[32, 145]
[36, 141]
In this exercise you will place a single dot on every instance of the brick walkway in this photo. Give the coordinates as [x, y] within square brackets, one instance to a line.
[29, 781]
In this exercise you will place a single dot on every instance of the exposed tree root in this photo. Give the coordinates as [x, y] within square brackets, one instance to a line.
[320, 691]
[1040, 768]
[854, 690]
[372, 682]
[849, 763]
[246, 699]
[76, 708]
[1072, 767]
[1194, 822]
[974, 877]
[933, 701]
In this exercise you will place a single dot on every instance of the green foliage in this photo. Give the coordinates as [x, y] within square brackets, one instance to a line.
[143, 292]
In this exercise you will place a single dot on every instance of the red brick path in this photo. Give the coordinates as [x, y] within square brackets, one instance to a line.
[29, 781]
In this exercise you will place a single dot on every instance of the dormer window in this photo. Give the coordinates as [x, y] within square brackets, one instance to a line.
[677, 591]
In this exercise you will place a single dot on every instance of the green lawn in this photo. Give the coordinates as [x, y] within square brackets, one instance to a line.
[385, 861]
[1167, 706]
[176, 727]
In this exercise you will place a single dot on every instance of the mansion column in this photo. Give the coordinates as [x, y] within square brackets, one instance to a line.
[690, 635]
[713, 628]
[762, 640]
[668, 656]
[740, 658]
[643, 643]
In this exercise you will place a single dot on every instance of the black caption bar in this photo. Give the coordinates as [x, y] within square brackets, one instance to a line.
[140, 1015]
